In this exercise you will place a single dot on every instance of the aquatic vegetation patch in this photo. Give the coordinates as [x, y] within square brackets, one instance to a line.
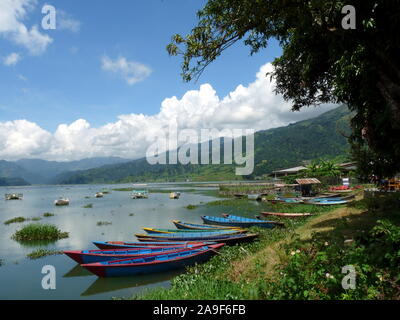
[103, 223]
[40, 253]
[123, 189]
[15, 220]
[48, 214]
[37, 232]
[88, 206]
[191, 207]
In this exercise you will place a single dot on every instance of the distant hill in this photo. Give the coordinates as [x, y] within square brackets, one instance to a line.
[320, 137]
[37, 171]
[5, 182]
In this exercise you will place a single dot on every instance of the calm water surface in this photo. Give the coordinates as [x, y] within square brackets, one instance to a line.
[20, 277]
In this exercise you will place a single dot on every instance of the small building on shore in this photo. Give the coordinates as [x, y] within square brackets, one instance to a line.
[307, 186]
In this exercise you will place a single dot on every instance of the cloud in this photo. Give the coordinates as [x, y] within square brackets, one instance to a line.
[254, 106]
[66, 22]
[132, 72]
[12, 14]
[12, 59]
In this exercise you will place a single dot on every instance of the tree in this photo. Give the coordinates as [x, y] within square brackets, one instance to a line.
[321, 62]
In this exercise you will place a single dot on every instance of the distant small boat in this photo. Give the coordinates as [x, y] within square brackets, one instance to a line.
[192, 226]
[62, 202]
[140, 194]
[286, 215]
[174, 195]
[166, 262]
[99, 195]
[123, 245]
[14, 196]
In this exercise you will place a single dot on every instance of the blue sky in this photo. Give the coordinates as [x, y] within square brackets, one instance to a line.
[66, 82]
[102, 83]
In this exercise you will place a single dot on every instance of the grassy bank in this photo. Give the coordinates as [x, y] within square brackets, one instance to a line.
[305, 259]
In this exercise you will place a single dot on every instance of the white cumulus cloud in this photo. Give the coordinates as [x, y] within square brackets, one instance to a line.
[254, 106]
[12, 27]
[12, 59]
[132, 72]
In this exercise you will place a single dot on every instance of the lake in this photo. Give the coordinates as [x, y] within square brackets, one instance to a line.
[20, 277]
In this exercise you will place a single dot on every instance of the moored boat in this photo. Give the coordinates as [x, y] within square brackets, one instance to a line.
[140, 194]
[227, 239]
[14, 196]
[185, 231]
[123, 245]
[286, 215]
[188, 236]
[62, 202]
[92, 256]
[192, 226]
[99, 195]
[174, 195]
[166, 262]
[241, 223]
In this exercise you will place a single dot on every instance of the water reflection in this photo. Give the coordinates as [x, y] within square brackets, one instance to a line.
[77, 271]
[104, 285]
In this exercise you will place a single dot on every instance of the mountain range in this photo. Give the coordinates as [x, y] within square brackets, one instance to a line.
[320, 137]
[298, 143]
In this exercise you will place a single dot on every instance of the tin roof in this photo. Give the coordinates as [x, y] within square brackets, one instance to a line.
[308, 181]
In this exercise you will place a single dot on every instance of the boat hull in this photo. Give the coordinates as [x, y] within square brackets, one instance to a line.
[123, 245]
[232, 223]
[229, 240]
[93, 256]
[192, 226]
[121, 268]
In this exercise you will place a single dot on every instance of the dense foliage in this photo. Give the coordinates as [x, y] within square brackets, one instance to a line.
[321, 62]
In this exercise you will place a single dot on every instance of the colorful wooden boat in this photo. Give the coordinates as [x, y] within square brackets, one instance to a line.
[286, 215]
[243, 223]
[227, 239]
[171, 231]
[189, 236]
[104, 245]
[92, 256]
[161, 263]
[328, 202]
[192, 226]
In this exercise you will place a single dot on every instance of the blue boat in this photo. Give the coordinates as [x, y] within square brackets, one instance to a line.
[105, 245]
[92, 256]
[241, 223]
[161, 263]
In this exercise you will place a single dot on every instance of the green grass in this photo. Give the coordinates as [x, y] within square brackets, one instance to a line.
[40, 253]
[15, 220]
[38, 232]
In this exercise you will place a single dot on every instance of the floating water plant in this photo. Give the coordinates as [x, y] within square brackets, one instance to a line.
[103, 223]
[37, 232]
[48, 214]
[15, 220]
[88, 206]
